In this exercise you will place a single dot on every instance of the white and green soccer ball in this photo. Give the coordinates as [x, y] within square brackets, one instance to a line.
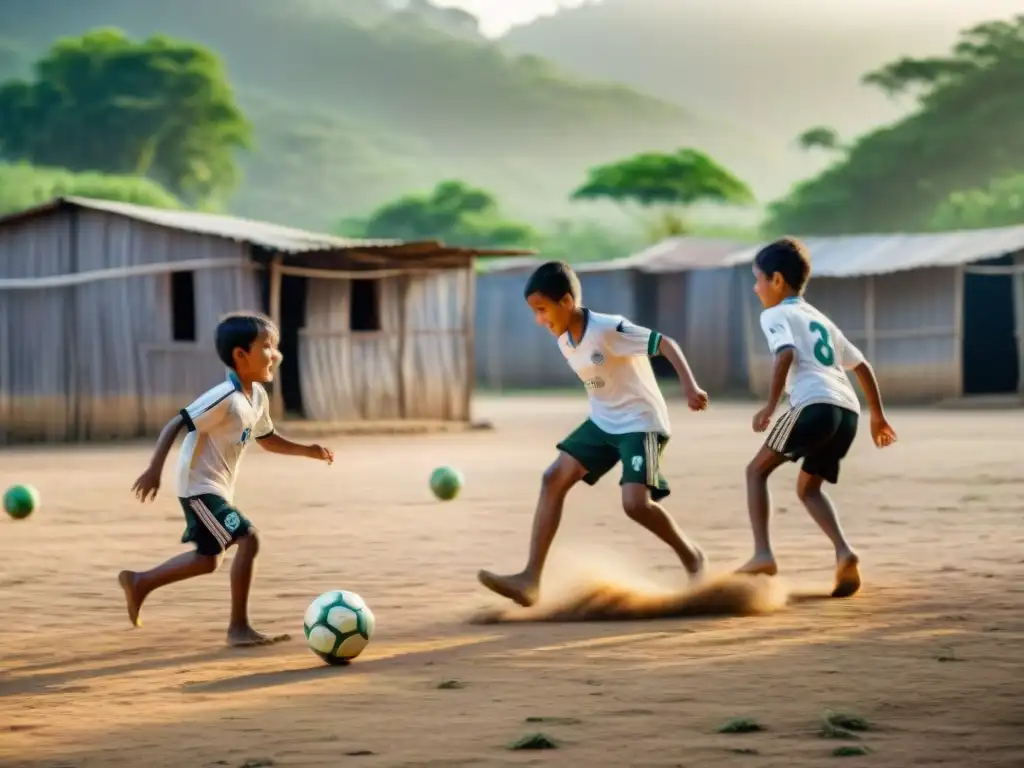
[338, 626]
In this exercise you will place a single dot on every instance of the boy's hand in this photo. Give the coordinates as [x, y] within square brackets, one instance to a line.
[763, 418]
[147, 485]
[881, 431]
[321, 453]
[697, 399]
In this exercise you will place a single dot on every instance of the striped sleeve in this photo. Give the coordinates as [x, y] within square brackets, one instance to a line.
[628, 340]
[209, 409]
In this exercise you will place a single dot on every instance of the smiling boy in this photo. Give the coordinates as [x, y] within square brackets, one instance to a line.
[628, 423]
[220, 425]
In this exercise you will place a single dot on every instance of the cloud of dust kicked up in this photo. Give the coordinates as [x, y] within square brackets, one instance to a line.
[622, 598]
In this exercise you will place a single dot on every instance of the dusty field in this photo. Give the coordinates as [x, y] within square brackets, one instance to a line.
[930, 653]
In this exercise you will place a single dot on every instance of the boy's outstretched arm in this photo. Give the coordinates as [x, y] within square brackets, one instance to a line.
[881, 431]
[696, 397]
[275, 443]
[148, 483]
[780, 370]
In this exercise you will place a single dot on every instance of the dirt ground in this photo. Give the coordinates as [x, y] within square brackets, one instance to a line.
[929, 653]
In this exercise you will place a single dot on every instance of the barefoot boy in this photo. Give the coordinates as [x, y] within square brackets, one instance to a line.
[220, 425]
[812, 354]
[628, 422]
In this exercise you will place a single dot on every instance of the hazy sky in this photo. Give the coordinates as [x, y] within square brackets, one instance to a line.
[496, 16]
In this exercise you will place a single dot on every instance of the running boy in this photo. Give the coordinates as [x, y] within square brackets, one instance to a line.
[628, 422]
[220, 425]
[811, 357]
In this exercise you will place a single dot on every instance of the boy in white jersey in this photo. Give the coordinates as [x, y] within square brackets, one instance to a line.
[811, 359]
[628, 422]
[220, 425]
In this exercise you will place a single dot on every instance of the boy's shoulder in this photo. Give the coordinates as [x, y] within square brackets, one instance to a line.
[606, 322]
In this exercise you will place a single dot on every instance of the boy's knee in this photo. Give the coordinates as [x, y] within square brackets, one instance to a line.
[755, 471]
[636, 501]
[558, 478]
[807, 490]
[636, 509]
[209, 563]
[250, 543]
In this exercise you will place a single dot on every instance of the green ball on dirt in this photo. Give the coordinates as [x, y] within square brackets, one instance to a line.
[20, 501]
[446, 483]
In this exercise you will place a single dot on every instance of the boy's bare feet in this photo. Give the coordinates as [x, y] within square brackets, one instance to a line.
[245, 637]
[759, 565]
[847, 576]
[127, 580]
[519, 588]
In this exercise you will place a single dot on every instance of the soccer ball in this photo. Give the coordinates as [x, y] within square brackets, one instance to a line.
[20, 501]
[338, 626]
[446, 483]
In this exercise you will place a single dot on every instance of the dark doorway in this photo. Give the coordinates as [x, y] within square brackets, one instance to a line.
[364, 305]
[183, 306]
[293, 318]
[989, 346]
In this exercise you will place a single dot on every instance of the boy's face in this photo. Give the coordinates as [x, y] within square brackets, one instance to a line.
[257, 363]
[770, 290]
[553, 315]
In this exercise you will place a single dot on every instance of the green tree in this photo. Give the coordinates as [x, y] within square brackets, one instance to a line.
[999, 204]
[670, 183]
[968, 128]
[453, 212]
[24, 186]
[101, 102]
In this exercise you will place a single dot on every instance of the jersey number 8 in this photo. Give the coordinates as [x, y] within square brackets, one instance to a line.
[823, 347]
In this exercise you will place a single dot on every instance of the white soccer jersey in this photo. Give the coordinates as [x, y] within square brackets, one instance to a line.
[613, 361]
[823, 354]
[220, 425]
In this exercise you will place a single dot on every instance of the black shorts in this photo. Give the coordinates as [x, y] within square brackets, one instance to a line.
[212, 524]
[820, 434]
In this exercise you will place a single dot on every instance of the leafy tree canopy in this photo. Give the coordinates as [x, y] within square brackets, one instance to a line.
[454, 212]
[999, 204]
[669, 181]
[968, 129]
[159, 108]
[24, 186]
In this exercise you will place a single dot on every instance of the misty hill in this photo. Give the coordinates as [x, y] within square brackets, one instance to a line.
[356, 102]
[775, 68]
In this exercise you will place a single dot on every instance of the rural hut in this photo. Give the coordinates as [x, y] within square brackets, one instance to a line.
[107, 312]
[940, 316]
[678, 287]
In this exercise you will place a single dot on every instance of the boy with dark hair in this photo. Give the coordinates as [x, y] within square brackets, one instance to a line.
[220, 425]
[811, 359]
[628, 422]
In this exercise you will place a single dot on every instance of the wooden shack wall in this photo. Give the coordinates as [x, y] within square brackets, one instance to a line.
[417, 366]
[907, 324]
[98, 360]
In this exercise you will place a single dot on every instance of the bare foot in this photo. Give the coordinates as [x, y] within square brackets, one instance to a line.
[245, 637]
[847, 576]
[519, 588]
[700, 567]
[759, 565]
[127, 580]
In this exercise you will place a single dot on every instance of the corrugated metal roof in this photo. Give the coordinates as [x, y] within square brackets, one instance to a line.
[273, 237]
[677, 254]
[855, 255]
[681, 254]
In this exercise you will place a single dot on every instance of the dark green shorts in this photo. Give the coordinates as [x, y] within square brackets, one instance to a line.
[640, 454]
[212, 524]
